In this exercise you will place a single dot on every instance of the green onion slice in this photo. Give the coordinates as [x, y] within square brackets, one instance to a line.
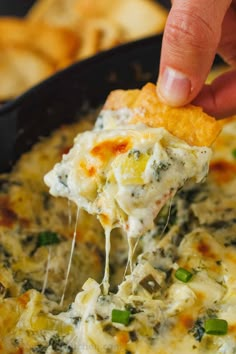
[216, 326]
[120, 316]
[183, 274]
[47, 238]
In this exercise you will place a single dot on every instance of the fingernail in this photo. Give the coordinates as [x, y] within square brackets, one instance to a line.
[174, 87]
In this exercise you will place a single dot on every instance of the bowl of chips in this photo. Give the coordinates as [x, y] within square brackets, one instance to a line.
[50, 35]
[72, 92]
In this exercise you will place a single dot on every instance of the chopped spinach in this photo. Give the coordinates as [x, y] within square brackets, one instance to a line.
[76, 320]
[135, 154]
[28, 239]
[158, 168]
[46, 199]
[219, 224]
[2, 290]
[108, 328]
[40, 349]
[6, 183]
[30, 284]
[157, 327]
[230, 242]
[4, 252]
[198, 330]
[193, 193]
[133, 336]
[46, 238]
[131, 309]
[59, 345]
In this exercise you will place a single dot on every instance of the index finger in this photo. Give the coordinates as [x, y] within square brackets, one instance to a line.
[190, 41]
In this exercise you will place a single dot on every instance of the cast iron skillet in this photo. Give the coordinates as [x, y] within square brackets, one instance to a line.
[69, 94]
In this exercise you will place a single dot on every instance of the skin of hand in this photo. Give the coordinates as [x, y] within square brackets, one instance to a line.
[195, 31]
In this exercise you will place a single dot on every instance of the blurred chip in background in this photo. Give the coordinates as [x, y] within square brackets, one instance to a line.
[55, 33]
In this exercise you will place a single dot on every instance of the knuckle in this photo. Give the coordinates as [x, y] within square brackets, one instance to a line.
[191, 31]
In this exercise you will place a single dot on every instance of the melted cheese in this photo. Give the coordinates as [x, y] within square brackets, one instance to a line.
[126, 174]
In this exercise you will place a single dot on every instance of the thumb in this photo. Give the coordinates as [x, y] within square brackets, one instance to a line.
[190, 40]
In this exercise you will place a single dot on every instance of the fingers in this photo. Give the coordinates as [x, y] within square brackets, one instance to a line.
[227, 45]
[191, 37]
[219, 98]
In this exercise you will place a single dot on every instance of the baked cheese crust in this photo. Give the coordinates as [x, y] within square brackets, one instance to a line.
[194, 231]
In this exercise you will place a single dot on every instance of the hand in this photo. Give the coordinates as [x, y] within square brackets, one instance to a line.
[195, 31]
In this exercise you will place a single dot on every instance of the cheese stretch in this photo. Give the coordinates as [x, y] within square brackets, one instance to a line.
[124, 173]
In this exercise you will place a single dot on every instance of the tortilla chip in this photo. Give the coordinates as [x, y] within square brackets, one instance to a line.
[54, 12]
[136, 18]
[188, 123]
[58, 44]
[93, 8]
[139, 18]
[96, 35]
[120, 99]
[64, 31]
[111, 33]
[20, 68]
[90, 38]
[39, 9]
